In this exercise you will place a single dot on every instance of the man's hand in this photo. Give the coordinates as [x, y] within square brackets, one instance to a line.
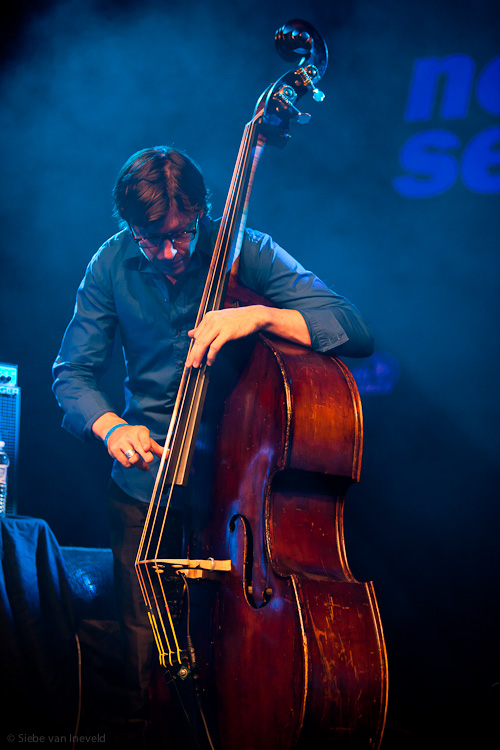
[131, 445]
[221, 326]
[133, 438]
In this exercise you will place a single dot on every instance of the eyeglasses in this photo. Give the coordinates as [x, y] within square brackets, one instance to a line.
[176, 238]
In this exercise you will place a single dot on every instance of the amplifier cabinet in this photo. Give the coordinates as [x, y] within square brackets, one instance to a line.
[10, 416]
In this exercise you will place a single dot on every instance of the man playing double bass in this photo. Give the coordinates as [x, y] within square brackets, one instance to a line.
[146, 282]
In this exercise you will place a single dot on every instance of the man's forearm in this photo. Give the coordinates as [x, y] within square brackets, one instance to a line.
[289, 324]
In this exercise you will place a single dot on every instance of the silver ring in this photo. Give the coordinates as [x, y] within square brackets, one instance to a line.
[130, 453]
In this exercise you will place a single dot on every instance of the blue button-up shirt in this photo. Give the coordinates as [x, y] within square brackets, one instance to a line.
[122, 290]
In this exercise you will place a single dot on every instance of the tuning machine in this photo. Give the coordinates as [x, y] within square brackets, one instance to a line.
[285, 97]
[307, 77]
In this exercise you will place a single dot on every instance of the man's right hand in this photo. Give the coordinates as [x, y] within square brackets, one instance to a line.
[131, 445]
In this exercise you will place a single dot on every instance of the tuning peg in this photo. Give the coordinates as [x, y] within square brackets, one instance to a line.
[308, 77]
[285, 97]
[302, 117]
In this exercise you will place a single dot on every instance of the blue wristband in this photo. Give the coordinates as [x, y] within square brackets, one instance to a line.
[106, 437]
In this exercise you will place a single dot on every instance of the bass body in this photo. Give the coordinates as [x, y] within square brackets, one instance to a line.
[296, 653]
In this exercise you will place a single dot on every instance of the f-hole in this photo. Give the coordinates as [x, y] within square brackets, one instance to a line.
[255, 598]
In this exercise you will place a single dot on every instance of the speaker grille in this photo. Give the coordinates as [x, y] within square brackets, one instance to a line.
[10, 412]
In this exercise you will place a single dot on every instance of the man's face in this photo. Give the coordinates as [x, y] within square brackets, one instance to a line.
[170, 254]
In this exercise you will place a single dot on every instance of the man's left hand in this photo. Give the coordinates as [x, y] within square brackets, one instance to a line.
[219, 327]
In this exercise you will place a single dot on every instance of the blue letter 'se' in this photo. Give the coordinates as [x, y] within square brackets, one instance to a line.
[433, 170]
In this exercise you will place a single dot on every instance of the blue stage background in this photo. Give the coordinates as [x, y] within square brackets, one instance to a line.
[390, 194]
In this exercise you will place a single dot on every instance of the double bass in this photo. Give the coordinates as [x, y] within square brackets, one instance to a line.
[279, 646]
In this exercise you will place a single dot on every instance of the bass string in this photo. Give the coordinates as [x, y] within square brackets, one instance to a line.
[180, 401]
[221, 252]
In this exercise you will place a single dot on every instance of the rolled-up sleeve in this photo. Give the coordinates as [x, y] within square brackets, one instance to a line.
[333, 322]
[85, 350]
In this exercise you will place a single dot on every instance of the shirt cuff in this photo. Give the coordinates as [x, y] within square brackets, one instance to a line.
[79, 424]
[319, 322]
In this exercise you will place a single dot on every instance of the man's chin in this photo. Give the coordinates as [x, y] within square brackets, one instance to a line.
[170, 269]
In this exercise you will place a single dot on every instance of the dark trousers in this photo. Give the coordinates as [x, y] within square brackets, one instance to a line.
[127, 517]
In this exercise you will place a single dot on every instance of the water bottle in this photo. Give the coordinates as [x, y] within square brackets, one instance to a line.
[4, 465]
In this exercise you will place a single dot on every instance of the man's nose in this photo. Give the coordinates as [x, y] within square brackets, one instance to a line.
[167, 251]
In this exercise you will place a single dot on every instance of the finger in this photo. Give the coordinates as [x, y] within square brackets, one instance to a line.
[156, 448]
[144, 444]
[214, 349]
[196, 353]
[146, 451]
[119, 455]
[140, 457]
[140, 464]
[141, 461]
[132, 457]
[130, 453]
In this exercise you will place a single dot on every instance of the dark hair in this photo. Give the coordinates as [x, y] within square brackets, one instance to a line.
[155, 179]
